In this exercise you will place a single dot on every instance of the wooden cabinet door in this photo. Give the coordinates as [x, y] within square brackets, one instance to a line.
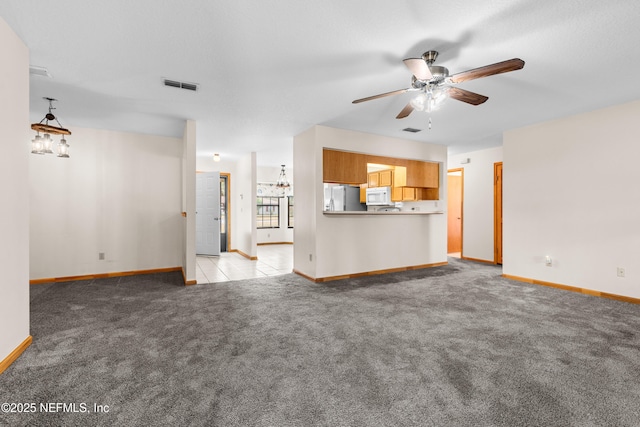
[363, 193]
[409, 194]
[422, 174]
[385, 178]
[373, 179]
[399, 176]
[396, 194]
[343, 167]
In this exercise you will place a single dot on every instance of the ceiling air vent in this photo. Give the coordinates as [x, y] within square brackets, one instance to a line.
[412, 130]
[181, 85]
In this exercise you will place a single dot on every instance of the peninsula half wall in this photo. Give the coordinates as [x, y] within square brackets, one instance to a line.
[329, 247]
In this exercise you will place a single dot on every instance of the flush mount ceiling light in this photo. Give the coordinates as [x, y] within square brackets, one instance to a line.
[44, 144]
[282, 180]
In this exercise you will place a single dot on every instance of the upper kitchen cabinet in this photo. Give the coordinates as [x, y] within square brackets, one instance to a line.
[422, 174]
[382, 178]
[343, 167]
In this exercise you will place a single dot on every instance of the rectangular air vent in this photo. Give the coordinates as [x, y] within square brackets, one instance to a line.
[180, 85]
[412, 130]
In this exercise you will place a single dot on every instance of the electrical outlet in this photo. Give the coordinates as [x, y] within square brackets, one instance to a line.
[547, 261]
[620, 272]
[101, 256]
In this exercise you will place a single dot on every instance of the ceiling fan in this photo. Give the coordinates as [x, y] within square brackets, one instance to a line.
[434, 83]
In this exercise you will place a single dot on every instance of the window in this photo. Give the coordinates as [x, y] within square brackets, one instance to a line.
[268, 212]
[290, 211]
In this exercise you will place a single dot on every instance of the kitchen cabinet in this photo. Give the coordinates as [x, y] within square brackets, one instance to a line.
[422, 174]
[411, 194]
[386, 178]
[404, 194]
[383, 178]
[343, 167]
[416, 180]
[399, 176]
[372, 179]
[363, 193]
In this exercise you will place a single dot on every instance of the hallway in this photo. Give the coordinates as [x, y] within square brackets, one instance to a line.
[272, 260]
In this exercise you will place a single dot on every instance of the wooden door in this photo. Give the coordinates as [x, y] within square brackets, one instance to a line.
[497, 197]
[454, 211]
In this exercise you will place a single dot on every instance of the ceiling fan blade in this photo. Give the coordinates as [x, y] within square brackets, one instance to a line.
[418, 68]
[382, 95]
[488, 70]
[405, 111]
[466, 96]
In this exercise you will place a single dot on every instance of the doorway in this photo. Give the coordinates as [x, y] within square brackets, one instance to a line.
[455, 196]
[225, 218]
[208, 213]
[497, 209]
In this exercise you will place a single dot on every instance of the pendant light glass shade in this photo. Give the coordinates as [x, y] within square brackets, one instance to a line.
[36, 145]
[63, 148]
[47, 144]
[429, 100]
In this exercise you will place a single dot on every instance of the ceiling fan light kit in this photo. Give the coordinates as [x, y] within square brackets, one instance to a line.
[435, 85]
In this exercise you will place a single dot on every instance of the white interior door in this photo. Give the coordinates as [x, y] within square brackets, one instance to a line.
[208, 213]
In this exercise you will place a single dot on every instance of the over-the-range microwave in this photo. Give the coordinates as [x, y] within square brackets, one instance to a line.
[379, 196]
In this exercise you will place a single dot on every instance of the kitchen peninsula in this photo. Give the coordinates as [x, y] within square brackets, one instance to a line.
[407, 233]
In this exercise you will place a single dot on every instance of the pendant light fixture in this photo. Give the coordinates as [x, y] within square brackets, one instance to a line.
[44, 144]
[282, 179]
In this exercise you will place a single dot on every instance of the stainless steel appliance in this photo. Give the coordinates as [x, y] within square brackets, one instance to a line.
[342, 198]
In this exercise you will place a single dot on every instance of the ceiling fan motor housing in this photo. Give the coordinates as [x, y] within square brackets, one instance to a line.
[439, 73]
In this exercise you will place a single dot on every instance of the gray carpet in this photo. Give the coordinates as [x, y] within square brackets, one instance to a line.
[450, 346]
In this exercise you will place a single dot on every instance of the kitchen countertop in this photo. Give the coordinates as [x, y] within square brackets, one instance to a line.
[381, 213]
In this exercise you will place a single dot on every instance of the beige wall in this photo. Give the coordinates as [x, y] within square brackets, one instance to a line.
[244, 196]
[570, 193]
[119, 194]
[188, 175]
[14, 191]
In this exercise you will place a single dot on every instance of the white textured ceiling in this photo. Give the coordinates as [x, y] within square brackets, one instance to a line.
[268, 70]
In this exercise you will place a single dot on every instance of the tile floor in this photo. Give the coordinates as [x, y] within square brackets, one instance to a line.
[272, 261]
